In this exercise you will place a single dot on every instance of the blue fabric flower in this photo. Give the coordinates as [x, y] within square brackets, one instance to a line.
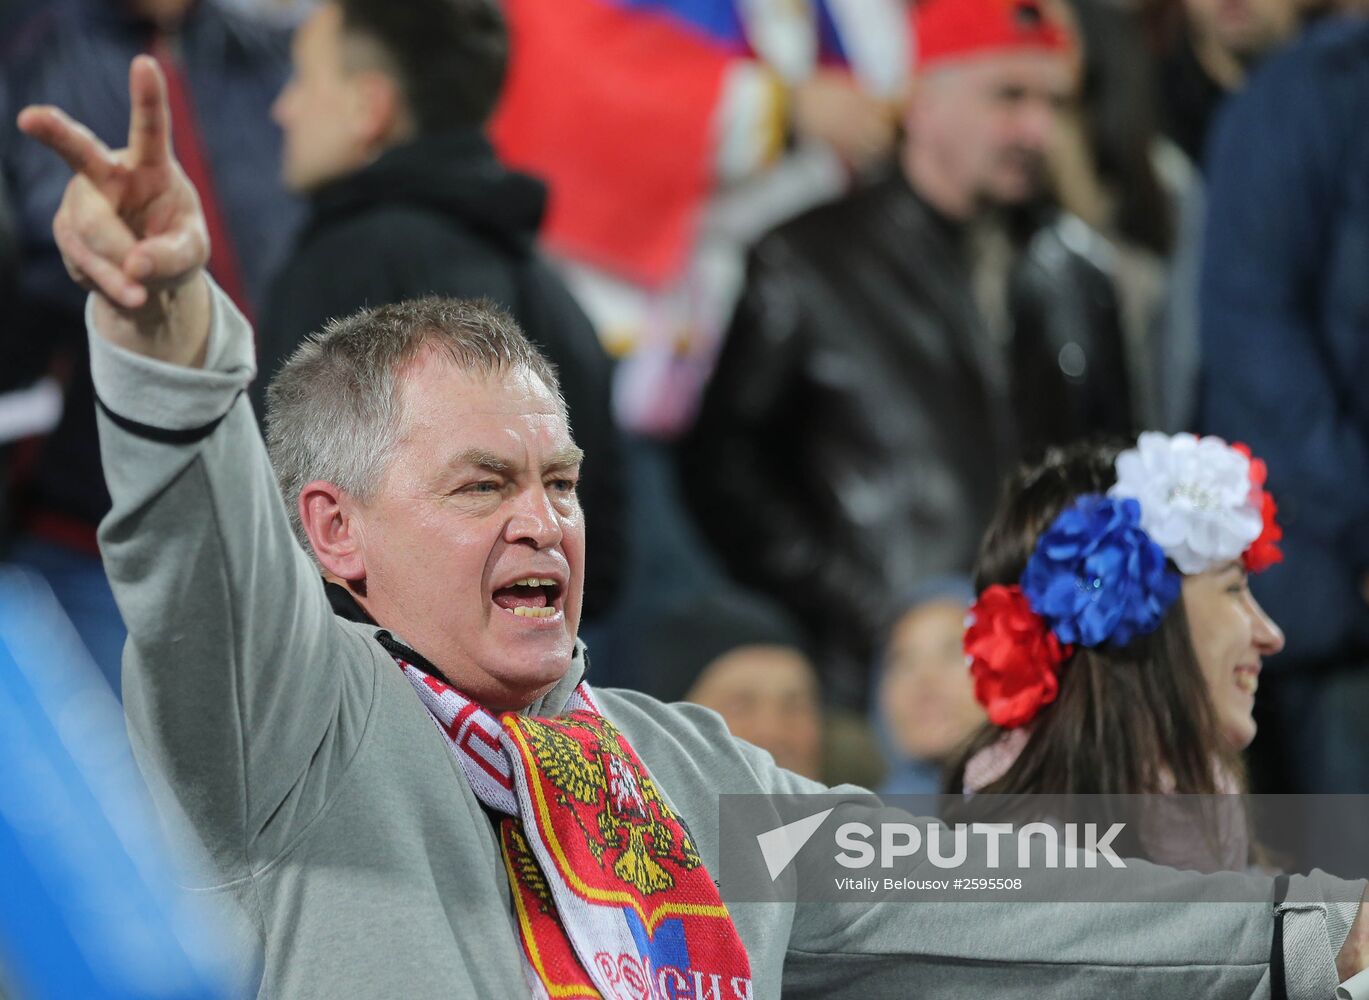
[1096, 576]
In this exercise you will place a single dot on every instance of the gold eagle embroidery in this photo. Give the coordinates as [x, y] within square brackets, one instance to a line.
[635, 825]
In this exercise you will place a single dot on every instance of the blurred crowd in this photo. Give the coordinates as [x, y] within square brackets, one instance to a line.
[816, 277]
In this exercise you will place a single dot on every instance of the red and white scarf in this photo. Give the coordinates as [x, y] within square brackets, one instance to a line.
[611, 895]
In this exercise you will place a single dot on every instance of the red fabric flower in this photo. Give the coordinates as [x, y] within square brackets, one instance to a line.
[1264, 551]
[1014, 657]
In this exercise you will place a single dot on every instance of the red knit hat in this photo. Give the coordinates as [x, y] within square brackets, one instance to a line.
[955, 29]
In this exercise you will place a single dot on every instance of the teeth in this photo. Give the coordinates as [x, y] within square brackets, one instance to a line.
[534, 581]
[1249, 683]
[534, 612]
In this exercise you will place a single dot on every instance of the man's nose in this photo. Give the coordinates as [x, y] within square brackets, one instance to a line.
[534, 520]
[1037, 124]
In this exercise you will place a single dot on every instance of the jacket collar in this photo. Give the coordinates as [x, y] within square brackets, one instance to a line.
[453, 174]
[346, 606]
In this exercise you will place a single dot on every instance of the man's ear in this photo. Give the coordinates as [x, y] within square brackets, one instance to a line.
[330, 520]
[383, 113]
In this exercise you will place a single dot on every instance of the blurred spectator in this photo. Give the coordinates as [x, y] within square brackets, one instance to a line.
[895, 350]
[1218, 44]
[671, 133]
[1117, 112]
[691, 129]
[924, 705]
[223, 71]
[1221, 40]
[741, 656]
[1285, 326]
[1116, 171]
[383, 127]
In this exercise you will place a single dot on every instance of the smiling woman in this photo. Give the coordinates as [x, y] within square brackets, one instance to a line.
[1115, 644]
[1231, 634]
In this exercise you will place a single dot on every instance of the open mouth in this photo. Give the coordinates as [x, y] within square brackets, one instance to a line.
[530, 597]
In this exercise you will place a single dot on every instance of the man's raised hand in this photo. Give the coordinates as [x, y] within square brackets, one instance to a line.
[130, 225]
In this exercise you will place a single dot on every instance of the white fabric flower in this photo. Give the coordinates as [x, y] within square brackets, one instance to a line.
[1195, 497]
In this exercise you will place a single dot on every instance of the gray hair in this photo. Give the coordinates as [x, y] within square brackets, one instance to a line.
[334, 410]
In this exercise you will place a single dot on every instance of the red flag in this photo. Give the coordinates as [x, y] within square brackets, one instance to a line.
[615, 110]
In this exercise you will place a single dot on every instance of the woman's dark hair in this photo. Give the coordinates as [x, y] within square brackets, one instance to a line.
[1126, 720]
[1121, 120]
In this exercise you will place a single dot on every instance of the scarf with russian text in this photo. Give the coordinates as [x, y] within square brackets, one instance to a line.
[611, 896]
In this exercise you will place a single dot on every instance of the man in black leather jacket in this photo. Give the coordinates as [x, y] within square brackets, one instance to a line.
[897, 351]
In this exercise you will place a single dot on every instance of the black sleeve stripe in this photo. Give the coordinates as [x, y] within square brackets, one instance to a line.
[163, 435]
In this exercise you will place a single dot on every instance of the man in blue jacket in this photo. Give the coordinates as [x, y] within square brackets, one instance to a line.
[1285, 328]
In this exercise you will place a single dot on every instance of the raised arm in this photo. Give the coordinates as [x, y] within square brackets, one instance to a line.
[238, 695]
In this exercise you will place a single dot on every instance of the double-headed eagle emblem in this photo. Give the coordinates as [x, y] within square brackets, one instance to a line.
[633, 829]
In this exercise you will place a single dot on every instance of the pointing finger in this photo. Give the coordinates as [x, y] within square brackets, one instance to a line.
[149, 124]
[72, 141]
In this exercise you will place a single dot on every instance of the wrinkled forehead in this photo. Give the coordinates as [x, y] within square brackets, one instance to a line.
[434, 391]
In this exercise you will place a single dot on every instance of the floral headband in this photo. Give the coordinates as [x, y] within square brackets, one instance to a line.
[1100, 573]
